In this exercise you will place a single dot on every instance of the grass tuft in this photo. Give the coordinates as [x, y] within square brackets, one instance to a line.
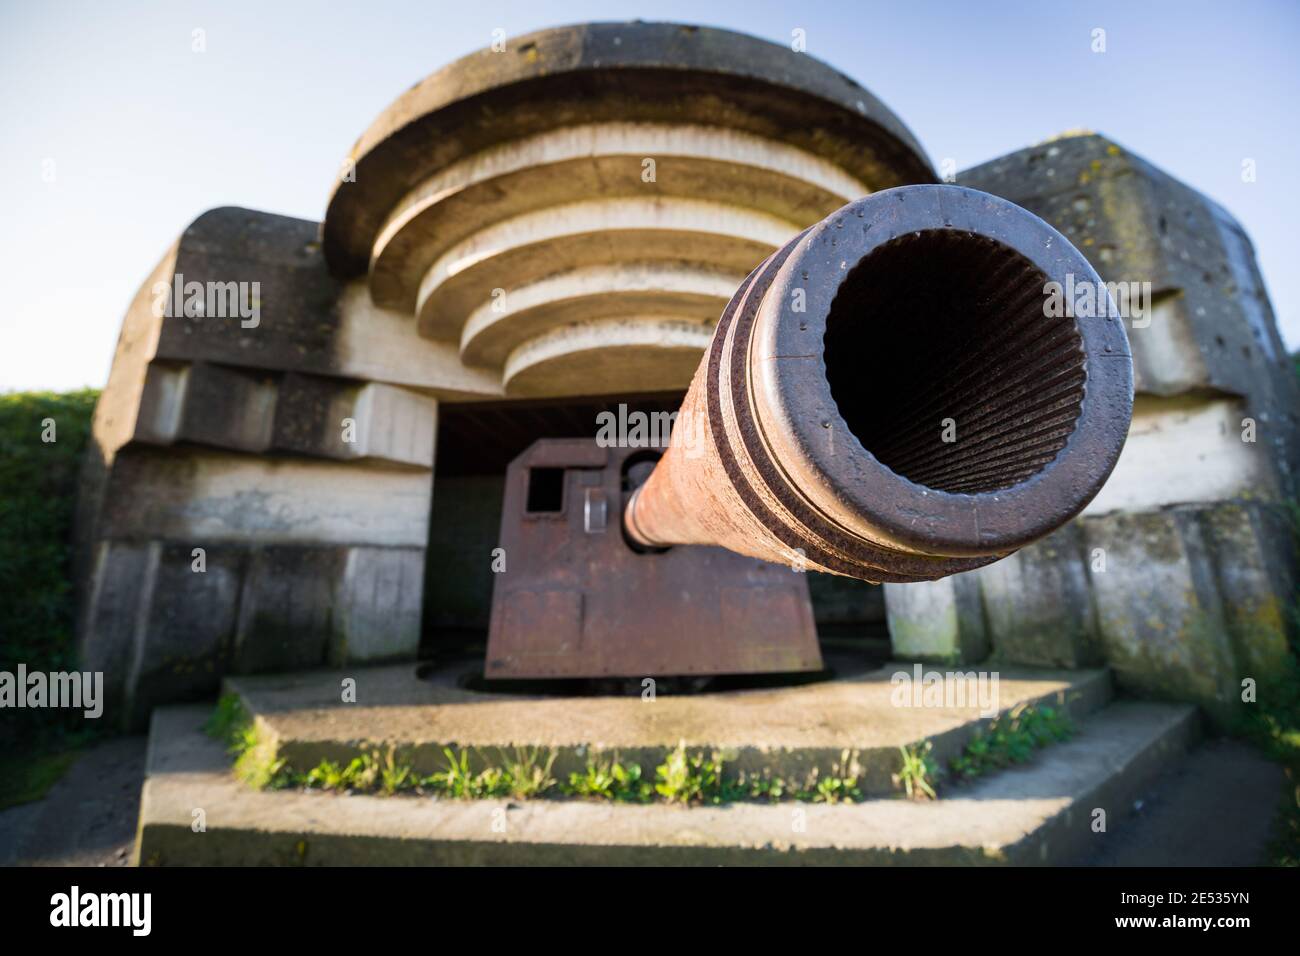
[918, 772]
[256, 763]
[610, 779]
[1012, 739]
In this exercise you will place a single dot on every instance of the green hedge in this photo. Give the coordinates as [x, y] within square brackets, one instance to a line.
[38, 496]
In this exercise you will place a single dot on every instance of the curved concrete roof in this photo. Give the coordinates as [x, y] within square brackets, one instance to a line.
[643, 72]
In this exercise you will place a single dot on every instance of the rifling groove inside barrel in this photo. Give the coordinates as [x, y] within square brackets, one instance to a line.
[927, 363]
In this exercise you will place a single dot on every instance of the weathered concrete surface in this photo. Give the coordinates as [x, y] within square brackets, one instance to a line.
[1255, 571]
[939, 621]
[1215, 808]
[1159, 615]
[299, 443]
[1040, 813]
[603, 72]
[1037, 604]
[308, 322]
[1183, 603]
[88, 818]
[1194, 601]
[163, 631]
[201, 497]
[790, 730]
[1185, 450]
[1213, 328]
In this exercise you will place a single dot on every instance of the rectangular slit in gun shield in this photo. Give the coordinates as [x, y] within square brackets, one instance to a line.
[545, 491]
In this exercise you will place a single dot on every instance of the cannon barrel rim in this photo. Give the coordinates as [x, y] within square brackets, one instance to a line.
[847, 483]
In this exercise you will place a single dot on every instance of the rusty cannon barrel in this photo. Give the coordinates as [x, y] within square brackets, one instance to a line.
[897, 394]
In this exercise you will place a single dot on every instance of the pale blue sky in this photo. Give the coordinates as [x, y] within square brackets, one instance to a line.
[145, 134]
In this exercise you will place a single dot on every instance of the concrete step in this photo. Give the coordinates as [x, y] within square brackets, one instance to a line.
[1038, 813]
[789, 731]
[1217, 807]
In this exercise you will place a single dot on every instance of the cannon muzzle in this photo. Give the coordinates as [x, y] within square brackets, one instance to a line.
[908, 389]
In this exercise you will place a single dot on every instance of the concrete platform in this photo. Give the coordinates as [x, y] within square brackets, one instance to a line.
[1218, 807]
[788, 730]
[1040, 813]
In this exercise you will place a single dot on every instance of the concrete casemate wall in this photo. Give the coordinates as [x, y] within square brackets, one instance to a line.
[258, 488]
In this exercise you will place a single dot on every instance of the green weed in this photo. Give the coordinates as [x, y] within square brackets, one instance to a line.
[918, 772]
[1012, 739]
